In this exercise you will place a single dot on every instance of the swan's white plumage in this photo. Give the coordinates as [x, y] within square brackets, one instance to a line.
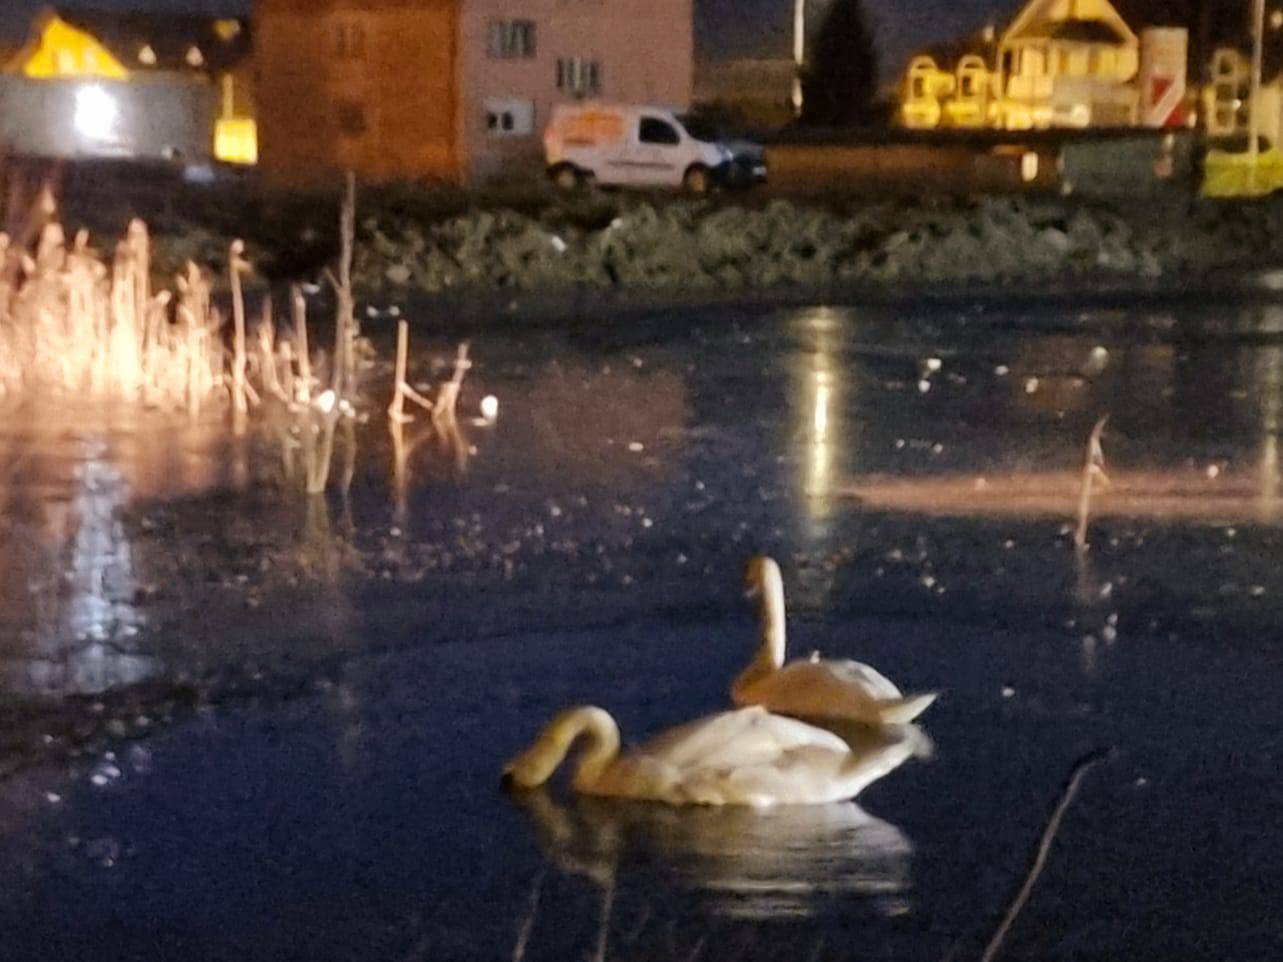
[744, 757]
[816, 687]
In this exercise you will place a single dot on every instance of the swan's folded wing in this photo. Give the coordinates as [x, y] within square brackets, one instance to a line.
[817, 688]
[746, 737]
[866, 676]
[806, 774]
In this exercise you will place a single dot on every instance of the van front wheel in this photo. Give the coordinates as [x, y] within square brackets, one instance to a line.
[697, 179]
[564, 177]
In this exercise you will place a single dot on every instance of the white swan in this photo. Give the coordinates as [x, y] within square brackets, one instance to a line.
[815, 688]
[744, 757]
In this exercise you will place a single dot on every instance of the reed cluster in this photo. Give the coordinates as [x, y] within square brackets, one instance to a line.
[74, 322]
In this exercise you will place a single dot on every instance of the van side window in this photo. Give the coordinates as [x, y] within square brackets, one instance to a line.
[656, 131]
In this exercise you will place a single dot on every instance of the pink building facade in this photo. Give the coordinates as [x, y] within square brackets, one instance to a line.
[517, 60]
[450, 89]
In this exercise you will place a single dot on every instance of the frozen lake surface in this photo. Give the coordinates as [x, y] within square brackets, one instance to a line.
[242, 731]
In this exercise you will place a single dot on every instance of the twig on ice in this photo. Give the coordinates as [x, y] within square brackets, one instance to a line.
[1079, 770]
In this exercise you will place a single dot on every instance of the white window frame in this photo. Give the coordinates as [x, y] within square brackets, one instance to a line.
[579, 76]
[509, 116]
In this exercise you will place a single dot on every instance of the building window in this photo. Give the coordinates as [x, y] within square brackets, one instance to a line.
[351, 118]
[578, 76]
[509, 117]
[511, 39]
[349, 41]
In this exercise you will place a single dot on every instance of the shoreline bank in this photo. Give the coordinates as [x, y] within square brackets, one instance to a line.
[623, 254]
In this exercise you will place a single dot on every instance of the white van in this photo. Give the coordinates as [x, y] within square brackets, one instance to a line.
[638, 146]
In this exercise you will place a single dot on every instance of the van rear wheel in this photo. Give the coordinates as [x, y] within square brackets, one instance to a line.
[697, 179]
[564, 177]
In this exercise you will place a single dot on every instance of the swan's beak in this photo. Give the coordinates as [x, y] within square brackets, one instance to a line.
[509, 781]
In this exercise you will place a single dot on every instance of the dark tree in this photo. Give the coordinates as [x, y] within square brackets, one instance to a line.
[841, 82]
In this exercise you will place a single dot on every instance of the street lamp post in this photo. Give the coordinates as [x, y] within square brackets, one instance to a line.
[799, 53]
[1254, 92]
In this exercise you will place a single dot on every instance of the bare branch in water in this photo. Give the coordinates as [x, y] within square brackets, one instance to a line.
[1076, 774]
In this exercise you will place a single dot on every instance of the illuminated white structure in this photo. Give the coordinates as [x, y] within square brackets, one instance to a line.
[1068, 63]
[1061, 63]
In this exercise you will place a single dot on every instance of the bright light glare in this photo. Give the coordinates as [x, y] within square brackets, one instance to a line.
[325, 401]
[489, 407]
[96, 113]
[1028, 166]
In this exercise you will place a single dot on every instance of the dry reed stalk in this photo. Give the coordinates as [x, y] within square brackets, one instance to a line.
[346, 330]
[454, 444]
[402, 389]
[1076, 774]
[6, 283]
[324, 420]
[349, 461]
[400, 457]
[396, 410]
[235, 264]
[146, 320]
[1093, 468]
[320, 447]
[448, 395]
[199, 347]
[268, 358]
[298, 306]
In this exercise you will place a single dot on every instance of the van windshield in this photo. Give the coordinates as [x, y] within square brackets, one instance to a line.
[700, 127]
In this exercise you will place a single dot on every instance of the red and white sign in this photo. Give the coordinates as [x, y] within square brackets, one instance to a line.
[1164, 52]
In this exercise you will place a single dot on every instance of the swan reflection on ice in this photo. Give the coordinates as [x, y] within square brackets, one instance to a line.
[786, 862]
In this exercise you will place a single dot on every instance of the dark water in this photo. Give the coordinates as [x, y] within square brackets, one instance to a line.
[361, 674]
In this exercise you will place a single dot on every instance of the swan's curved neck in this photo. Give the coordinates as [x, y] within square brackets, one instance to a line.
[770, 652]
[560, 734]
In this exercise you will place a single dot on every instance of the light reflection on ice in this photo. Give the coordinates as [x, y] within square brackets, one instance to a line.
[86, 617]
[820, 384]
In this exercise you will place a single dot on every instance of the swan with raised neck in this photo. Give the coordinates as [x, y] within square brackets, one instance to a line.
[816, 687]
[763, 581]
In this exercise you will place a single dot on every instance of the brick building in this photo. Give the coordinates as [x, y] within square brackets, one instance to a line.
[456, 90]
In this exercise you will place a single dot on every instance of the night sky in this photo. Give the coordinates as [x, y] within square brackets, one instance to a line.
[723, 27]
